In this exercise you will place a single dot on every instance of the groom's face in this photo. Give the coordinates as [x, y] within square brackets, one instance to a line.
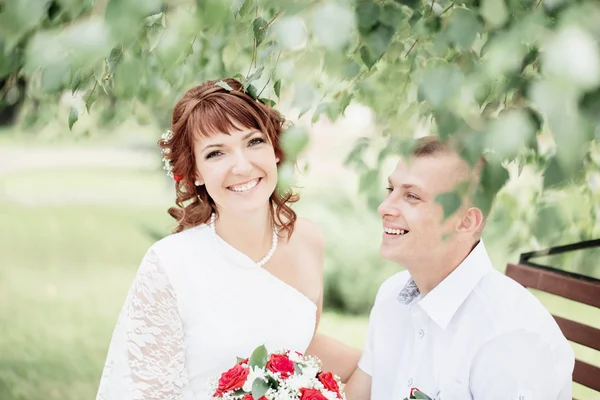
[413, 222]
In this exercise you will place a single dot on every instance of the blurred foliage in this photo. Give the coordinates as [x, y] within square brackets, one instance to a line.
[518, 80]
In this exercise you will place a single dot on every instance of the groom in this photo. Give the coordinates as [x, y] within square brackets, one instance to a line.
[451, 325]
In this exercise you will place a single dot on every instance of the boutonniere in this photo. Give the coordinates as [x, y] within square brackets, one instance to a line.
[415, 393]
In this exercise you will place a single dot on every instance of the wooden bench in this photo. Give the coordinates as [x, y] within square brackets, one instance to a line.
[576, 287]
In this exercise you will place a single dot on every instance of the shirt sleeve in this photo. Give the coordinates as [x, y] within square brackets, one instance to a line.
[520, 366]
[146, 358]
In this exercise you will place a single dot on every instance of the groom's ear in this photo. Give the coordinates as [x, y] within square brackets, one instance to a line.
[471, 221]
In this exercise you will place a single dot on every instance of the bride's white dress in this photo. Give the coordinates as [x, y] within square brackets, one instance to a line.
[195, 305]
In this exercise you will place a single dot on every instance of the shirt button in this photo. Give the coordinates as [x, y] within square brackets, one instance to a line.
[410, 381]
[421, 333]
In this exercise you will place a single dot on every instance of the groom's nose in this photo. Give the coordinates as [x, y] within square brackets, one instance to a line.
[387, 207]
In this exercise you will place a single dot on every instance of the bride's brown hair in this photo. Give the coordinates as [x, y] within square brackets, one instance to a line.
[203, 111]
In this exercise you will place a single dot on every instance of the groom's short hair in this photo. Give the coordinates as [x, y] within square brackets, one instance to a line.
[432, 146]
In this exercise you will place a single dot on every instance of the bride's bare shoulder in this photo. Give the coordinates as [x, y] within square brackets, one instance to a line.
[309, 235]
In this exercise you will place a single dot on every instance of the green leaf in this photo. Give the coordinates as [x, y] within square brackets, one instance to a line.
[75, 82]
[55, 77]
[258, 27]
[510, 132]
[391, 16]
[277, 88]
[73, 117]
[252, 92]
[369, 181]
[293, 141]
[494, 12]
[333, 24]
[367, 58]
[258, 357]
[236, 6]
[90, 97]
[420, 395]
[256, 75]
[17, 18]
[259, 388]
[224, 85]
[554, 175]
[291, 32]
[367, 15]
[440, 84]
[463, 28]
[267, 102]
[447, 123]
[409, 3]
[378, 40]
[493, 178]
[450, 202]
[239, 359]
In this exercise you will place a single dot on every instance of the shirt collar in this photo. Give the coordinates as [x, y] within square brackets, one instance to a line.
[444, 300]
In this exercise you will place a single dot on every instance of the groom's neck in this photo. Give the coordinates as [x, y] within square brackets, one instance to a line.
[434, 267]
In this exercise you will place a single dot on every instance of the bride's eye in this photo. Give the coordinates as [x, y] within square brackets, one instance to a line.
[255, 141]
[213, 154]
[389, 189]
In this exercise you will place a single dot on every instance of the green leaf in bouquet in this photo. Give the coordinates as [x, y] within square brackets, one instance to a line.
[420, 395]
[239, 359]
[258, 358]
[259, 388]
[297, 369]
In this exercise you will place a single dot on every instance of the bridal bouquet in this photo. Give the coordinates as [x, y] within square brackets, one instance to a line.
[284, 375]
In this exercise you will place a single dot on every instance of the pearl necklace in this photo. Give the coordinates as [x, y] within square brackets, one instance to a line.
[269, 254]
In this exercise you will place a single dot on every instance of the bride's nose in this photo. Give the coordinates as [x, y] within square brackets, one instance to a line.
[242, 166]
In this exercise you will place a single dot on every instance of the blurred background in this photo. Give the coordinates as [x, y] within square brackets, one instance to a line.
[83, 194]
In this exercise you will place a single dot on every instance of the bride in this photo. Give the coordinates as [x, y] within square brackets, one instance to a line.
[239, 271]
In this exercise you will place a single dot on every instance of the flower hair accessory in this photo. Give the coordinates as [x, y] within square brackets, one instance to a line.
[166, 137]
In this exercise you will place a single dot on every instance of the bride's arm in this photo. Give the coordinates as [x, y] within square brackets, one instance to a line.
[337, 357]
[148, 359]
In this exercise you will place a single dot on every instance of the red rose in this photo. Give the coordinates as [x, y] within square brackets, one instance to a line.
[311, 394]
[249, 397]
[232, 380]
[327, 379]
[177, 178]
[280, 363]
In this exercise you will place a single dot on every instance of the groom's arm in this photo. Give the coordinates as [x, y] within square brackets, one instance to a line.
[520, 365]
[359, 386]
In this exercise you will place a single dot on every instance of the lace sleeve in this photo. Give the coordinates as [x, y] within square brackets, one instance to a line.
[146, 355]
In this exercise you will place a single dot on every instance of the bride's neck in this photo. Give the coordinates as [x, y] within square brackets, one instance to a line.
[250, 233]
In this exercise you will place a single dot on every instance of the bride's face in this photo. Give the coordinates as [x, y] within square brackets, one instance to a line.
[238, 169]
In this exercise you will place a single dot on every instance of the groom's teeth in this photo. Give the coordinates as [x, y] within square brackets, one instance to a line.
[395, 231]
[245, 187]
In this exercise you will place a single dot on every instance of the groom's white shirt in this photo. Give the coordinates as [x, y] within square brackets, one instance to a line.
[477, 335]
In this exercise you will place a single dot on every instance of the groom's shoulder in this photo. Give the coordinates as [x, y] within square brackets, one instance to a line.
[392, 286]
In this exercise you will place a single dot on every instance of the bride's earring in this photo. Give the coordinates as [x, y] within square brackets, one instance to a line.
[197, 183]
[277, 160]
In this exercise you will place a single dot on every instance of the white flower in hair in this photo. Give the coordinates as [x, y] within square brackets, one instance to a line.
[166, 137]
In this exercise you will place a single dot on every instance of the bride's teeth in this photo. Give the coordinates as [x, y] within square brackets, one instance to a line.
[245, 187]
